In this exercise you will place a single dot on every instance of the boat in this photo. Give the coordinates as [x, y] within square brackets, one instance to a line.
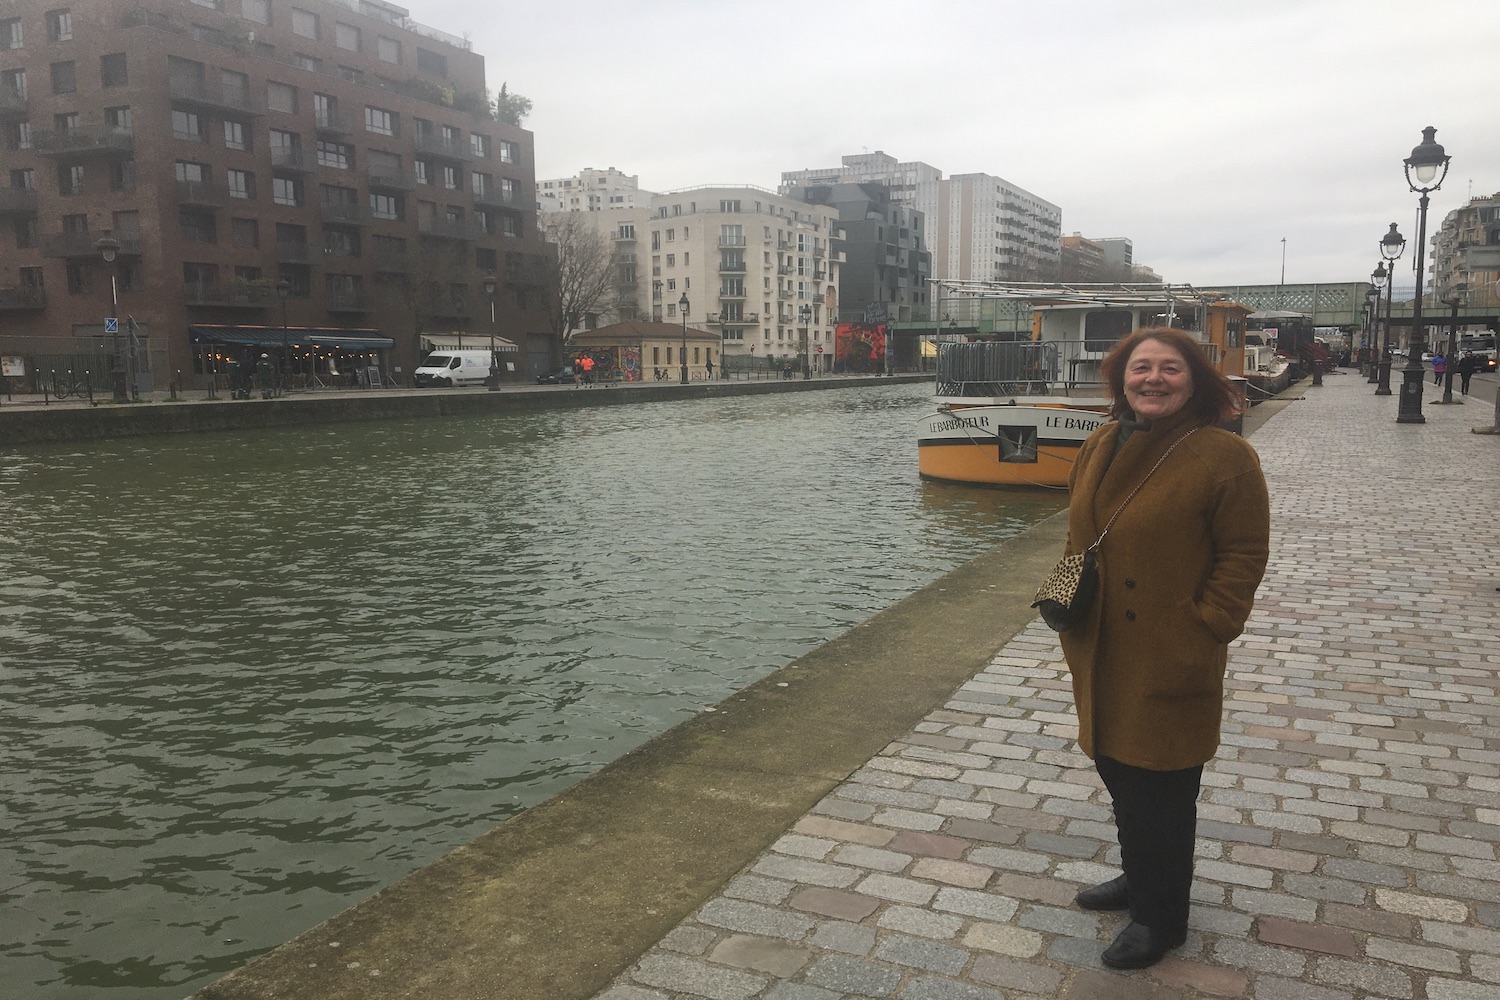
[1013, 406]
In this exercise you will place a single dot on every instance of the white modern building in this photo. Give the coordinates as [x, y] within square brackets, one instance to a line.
[979, 226]
[591, 190]
[760, 269]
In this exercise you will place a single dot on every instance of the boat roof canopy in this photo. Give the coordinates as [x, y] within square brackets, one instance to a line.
[1083, 294]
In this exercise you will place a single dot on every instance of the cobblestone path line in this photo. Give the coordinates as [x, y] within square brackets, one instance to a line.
[1347, 829]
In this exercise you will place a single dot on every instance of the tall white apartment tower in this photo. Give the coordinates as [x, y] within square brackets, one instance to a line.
[979, 226]
[591, 190]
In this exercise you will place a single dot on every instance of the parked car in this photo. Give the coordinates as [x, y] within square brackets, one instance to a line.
[557, 376]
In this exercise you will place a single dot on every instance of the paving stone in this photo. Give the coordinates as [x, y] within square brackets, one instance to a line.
[1458, 936]
[958, 873]
[1452, 989]
[1274, 904]
[1098, 985]
[630, 993]
[684, 975]
[1415, 905]
[1276, 988]
[983, 905]
[929, 844]
[760, 890]
[832, 903]
[799, 991]
[1372, 921]
[848, 939]
[1056, 843]
[1039, 890]
[835, 829]
[752, 918]
[1006, 859]
[777, 958]
[998, 970]
[1306, 936]
[919, 953]
[688, 939]
[1364, 871]
[1069, 923]
[1331, 889]
[1382, 980]
[1198, 979]
[992, 833]
[1406, 953]
[929, 988]
[813, 872]
[1017, 942]
[922, 922]
[897, 889]
[873, 858]
[853, 975]
[1259, 958]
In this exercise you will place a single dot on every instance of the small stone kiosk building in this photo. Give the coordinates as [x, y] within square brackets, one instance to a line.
[643, 351]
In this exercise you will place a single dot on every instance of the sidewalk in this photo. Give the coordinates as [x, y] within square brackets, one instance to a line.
[1348, 827]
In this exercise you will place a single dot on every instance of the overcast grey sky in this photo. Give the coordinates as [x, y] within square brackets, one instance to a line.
[1204, 130]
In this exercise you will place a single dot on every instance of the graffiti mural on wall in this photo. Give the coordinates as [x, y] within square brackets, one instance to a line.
[859, 347]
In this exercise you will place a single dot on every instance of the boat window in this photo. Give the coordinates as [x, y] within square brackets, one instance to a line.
[1102, 329]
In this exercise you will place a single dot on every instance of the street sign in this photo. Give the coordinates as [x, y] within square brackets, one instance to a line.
[820, 348]
[111, 324]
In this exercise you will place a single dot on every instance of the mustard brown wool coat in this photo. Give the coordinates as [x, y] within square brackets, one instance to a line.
[1177, 578]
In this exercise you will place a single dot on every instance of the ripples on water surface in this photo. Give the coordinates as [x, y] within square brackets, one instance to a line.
[247, 679]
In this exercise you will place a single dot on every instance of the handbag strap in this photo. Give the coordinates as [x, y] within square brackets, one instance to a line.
[1138, 485]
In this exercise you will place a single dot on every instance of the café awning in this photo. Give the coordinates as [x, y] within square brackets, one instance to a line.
[295, 336]
[433, 341]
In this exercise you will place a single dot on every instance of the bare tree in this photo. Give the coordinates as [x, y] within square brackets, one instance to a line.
[581, 277]
[423, 291]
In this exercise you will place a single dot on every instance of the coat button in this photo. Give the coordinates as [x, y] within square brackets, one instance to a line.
[1130, 583]
[1130, 615]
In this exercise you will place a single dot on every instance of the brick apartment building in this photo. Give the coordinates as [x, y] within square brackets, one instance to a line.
[320, 180]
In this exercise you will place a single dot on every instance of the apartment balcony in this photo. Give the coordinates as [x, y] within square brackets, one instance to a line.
[18, 298]
[784, 270]
[201, 194]
[495, 198]
[731, 241]
[17, 200]
[455, 150]
[445, 229]
[288, 252]
[398, 261]
[294, 160]
[623, 238]
[228, 296]
[78, 245]
[94, 140]
[212, 96]
[739, 296]
[13, 103]
[731, 267]
[332, 121]
[344, 214]
[626, 258]
[348, 302]
[819, 253]
[820, 275]
[385, 179]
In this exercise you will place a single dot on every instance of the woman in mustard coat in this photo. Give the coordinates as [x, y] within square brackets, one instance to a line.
[1177, 576]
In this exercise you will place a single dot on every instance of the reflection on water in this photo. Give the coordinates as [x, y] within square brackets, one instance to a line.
[248, 678]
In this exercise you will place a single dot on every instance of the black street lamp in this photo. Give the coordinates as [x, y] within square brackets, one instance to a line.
[1378, 279]
[108, 246]
[489, 291]
[682, 307]
[283, 289]
[804, 316]
[1454, 299]
[1392, 244]
[1425, 169]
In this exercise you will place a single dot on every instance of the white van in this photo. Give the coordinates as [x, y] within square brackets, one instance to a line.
[448, 367]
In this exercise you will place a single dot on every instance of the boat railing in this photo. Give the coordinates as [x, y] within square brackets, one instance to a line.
[1017, 368]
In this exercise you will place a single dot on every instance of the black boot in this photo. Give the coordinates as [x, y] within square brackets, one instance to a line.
[1111, 895]
[1139, 946]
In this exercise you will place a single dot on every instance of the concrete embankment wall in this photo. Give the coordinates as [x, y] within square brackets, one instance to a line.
[27, 424]
[554, 903]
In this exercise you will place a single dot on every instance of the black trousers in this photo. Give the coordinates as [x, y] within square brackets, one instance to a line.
[1156, 821]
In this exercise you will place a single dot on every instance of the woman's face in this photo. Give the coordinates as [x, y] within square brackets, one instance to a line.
[1158, 381]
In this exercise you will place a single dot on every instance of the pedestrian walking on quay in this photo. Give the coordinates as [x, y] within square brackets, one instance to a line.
[1178, 569]
[1466, 366]
[1439, 368]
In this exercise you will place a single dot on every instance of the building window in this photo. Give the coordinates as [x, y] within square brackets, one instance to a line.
[432, 62]
[346, 36]
[112, 70]
[244, 233]
[509, 152]
[197, 225]
[310, 63]
[187, 125]
[193, 173]
[281, 97]
[380, 121]
[480, 144]
[64, 80]
[385, 206]
[340, 242]
[388, 49]
[59, 25]
[338, 155]
[210, 4]
[286, 191]
[65, 122]
[19, 136]
[122, 175]
[28, 233]
[23, 179]
[510, 225]
[422, 171]
[258, 11]
[10, 33]
[70, 178]
[241, 184]
[451, 177]
[304, 23]
[78, 278]
[119, 118]
[234, 135]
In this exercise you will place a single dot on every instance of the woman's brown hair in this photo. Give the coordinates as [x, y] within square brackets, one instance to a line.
[1214, 397]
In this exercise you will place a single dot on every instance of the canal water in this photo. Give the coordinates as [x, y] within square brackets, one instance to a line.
[248, 678]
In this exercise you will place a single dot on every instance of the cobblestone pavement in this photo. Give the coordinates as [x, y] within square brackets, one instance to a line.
[1347, 829]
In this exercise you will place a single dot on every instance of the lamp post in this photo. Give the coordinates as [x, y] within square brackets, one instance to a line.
[1378, 278]
[283, 289]
[1425, 169]
[489, 291]
[1391, 246]
[682, 307]
[723, 340]
[804, 316]
[1454, 299]
[108, 246]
